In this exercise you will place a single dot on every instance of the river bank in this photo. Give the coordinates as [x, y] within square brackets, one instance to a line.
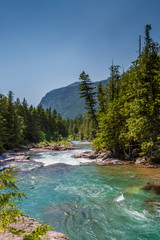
[105, 158]
[94, 157]
[28, 225]
[22, 153]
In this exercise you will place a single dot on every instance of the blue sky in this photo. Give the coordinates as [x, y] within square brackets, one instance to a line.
[46, 44]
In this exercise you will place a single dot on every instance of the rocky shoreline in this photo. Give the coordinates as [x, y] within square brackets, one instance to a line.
[99, 158]
[22, 153]
[103, 159]
[28, 224]
[94, 157]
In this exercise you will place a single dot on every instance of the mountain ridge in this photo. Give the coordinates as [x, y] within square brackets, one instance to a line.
[66, 100]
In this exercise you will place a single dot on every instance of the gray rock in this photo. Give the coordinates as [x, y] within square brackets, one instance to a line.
[86, 154]
[28, 224]
[94, 155]
[56, 236]
[140, 160]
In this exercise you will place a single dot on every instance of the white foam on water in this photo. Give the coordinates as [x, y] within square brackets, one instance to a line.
[137, 215]
[21, 166]
[120, 198]
[48, 158]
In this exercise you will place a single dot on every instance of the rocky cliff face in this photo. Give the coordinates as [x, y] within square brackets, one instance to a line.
[66, 100]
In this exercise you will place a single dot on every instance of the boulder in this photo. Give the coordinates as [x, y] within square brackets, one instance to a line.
[140, 160]
[94, 155]
[55, 236]
[109, 161]
[86, 154]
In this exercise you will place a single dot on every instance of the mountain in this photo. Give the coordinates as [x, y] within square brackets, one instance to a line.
[66, 100]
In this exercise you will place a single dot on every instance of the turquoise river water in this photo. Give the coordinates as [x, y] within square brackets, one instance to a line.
[90, 202]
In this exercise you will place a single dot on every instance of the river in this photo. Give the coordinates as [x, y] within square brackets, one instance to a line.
[90, 202]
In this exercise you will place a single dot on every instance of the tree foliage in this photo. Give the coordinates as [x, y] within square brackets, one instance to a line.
[9, 212]
[81, 128]
[9, 197]
[86, 91]
[23, 124]
[131, 120]
[37, 233]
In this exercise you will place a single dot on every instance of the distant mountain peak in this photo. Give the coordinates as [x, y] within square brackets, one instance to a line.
[75, 84]
[66, 100]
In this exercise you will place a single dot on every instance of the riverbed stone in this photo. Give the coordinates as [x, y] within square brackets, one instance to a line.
[56, 236]
[151, 186]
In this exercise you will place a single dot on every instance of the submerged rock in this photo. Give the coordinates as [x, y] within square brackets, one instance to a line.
[151, 186]
[59, 165]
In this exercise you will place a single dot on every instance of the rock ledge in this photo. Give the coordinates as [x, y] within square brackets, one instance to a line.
[28, 224]
[99, 158]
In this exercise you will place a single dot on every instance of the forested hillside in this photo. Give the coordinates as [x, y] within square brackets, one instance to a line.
[66, 100]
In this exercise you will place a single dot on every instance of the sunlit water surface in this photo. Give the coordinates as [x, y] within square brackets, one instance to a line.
[90, 202]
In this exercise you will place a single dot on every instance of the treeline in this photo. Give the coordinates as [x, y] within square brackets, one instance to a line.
[127, 121]
[81, 128]
[129, 106]
[23, 124]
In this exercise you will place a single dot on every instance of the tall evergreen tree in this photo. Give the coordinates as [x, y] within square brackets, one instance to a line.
[13, 125]
[87, 92]
[110, 119]
[101, 97]
[113, 85]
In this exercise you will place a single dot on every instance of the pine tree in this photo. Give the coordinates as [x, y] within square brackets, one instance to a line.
[113, 85]
[87, 92]
[110, 119]
[13, 124]
[101, 97]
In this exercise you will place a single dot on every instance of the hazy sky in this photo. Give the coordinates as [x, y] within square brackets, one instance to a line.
[46, 44]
